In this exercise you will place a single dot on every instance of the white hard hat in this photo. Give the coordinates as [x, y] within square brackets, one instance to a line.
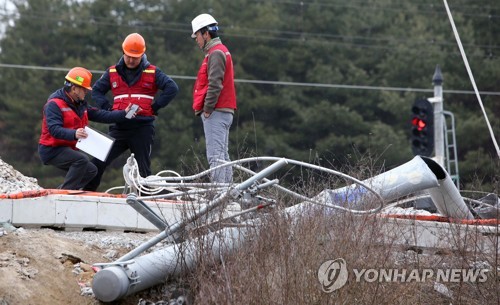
[201, 21]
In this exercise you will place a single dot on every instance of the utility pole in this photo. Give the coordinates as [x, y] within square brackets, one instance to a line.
[437, 100]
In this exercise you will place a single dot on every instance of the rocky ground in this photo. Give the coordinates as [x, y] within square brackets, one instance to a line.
[44, 266]
[12, 181]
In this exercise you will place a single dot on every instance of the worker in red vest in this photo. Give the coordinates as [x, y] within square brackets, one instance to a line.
[132, 80]
[65, 116]
[214, 95]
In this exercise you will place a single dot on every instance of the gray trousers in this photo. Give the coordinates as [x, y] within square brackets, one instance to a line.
[79, 170]
[216, 128]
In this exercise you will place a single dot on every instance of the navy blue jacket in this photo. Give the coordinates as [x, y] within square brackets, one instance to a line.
[168, 87]
[54, 119]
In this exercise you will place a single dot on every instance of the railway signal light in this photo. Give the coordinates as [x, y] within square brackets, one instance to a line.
[422, 128]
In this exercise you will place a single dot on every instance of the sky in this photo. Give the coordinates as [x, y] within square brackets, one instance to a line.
[6, 8]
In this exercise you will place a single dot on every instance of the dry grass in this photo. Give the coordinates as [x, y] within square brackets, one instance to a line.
[279, 263]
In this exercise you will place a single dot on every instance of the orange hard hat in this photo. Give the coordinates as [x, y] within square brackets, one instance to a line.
[80, 77]
[134, 45]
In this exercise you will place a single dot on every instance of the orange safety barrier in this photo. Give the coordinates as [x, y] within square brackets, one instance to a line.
[46, 192]
[485, 222]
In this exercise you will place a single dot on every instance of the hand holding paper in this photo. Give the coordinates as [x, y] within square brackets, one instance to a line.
[81, 133]
[95, 144]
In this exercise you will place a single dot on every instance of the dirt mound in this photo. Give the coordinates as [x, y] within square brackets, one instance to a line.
[44, 266]
[36, 268]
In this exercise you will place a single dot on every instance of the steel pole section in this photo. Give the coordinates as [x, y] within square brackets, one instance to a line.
[121, 279]
[234, 193]
[437, 81]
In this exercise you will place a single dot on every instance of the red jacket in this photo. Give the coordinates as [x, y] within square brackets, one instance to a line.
[227, 97]
[141, 93]
[71, 120]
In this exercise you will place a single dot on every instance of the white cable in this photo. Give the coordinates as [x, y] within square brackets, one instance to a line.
[159, 180]
[147, 189]
[324, 169]
[471, 76]
[141, 184]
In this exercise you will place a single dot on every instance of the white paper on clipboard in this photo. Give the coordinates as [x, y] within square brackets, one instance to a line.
[96, 144]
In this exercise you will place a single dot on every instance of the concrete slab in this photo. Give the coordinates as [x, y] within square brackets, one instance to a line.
[71, 213]
[112, 215]
[6, 210]
[441, 235]
[77, 212]
[34, 212]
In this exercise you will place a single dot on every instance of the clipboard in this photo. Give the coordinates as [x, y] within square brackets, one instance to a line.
[97, 144]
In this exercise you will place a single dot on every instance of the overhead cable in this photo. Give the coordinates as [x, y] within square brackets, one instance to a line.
[277, 83]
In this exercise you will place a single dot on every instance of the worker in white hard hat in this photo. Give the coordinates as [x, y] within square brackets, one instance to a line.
[214, 94]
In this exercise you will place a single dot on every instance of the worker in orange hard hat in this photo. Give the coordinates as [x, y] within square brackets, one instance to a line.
[132, 80]
[134, 45]
[65, 116]
[80, 76]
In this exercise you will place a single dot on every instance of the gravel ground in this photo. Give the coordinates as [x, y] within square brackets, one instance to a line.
[12, 181]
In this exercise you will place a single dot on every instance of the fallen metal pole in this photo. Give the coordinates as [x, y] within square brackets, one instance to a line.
[120, 279]
[123, 278]
[146, 211]
[234, 193]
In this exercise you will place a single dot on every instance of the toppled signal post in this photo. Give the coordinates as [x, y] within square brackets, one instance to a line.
[132, 273]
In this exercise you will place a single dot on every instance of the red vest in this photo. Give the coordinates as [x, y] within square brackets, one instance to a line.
[71, 120]
[227, 97]
[141, 93]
